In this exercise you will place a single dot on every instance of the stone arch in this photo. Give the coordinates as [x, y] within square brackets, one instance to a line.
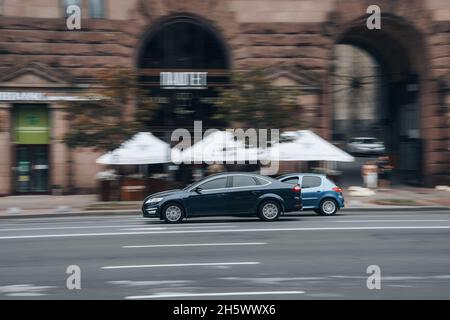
[401, 49]
[183, 45]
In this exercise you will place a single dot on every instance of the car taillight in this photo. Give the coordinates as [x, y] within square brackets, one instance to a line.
[296, 188]
[337, 189]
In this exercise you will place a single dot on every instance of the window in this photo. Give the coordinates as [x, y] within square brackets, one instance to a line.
[243, 181]
[291, 180]
[96, 9]
[261, 181]
[214, 184]
[311, 182]
[67, 3]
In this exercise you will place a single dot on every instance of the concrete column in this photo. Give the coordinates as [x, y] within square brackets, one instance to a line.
[5, 149]
[58, 150]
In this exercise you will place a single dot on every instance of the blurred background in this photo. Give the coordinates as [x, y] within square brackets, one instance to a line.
[68, 97]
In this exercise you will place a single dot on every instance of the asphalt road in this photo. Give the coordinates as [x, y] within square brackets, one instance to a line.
[297, 257]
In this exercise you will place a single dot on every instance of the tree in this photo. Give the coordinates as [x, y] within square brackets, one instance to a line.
[253, 102]
[103, 123]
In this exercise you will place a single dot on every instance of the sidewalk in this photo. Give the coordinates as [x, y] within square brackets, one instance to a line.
[408, 198]
[404, 197]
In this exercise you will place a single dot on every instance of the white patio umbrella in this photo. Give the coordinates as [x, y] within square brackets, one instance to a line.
[219, 147]
[142, 148]
[307, 146]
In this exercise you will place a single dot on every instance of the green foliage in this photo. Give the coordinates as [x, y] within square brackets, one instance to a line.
[106, 122]
[253, 102]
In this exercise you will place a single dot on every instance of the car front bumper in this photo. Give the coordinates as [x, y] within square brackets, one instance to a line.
[151, 210]
[341, 201]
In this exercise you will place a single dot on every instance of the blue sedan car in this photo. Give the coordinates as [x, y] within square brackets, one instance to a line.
[318, 192]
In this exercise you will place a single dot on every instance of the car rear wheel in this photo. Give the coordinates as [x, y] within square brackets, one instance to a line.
[327, 207]
[173, 213]
[269, 211]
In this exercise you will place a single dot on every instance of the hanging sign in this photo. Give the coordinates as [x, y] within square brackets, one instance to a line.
[183, 80]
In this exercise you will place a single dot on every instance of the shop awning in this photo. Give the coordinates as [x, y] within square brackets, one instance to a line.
[305, 145]
[219, 147]
[142, 148]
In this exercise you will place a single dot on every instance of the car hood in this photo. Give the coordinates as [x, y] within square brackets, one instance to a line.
[163, 193]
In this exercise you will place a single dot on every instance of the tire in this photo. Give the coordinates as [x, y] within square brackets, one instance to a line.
[327, 207]
[173, 213]
[269, 210]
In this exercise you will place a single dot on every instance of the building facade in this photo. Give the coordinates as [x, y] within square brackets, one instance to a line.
[400, 90]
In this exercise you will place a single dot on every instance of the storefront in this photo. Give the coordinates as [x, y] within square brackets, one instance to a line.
[33, 156]
[31, 148]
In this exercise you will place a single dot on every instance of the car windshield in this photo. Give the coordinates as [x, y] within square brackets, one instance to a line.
[367, 140]
[190, 185]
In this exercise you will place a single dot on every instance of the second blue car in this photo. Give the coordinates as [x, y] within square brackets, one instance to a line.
[318, 192]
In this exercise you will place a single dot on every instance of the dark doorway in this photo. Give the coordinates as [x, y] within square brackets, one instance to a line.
[31, 169]
[376, 94]
[182, 45]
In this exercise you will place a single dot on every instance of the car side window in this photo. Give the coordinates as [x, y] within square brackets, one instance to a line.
[243, 181]
[261, 181]
[290, 180]
[218, 183]
[311, 182]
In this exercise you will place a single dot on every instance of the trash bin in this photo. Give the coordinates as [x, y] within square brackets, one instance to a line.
[371, 180]
[370, 175]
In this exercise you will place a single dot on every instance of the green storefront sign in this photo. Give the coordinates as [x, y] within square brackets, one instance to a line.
[31, 125]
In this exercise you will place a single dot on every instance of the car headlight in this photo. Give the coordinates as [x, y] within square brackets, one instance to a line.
[153, 200]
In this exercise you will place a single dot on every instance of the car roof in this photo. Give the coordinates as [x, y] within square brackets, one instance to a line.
[302, 174]
[231, 173]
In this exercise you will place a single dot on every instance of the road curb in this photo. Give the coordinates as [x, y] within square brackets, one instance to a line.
[94, 213]
[399, 208]
[75, 214]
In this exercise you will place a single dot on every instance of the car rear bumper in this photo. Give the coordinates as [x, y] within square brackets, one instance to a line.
[296, 205]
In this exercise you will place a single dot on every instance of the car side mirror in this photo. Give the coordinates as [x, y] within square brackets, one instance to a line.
[198, 190]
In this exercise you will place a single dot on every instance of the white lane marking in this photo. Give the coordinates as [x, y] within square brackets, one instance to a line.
[214, 294]
[67, 219]
[179, 228]
[388, 220]
[180, 265]
[56, 223]
[80, 227]
[397, 214]
[219, 230]
[24, 290]
[273, 280]
[197, 244]
[172, 283]
[121, 224]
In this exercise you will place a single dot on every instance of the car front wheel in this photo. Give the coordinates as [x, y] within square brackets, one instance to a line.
[173, 213]
[327, 207]
[269, 211]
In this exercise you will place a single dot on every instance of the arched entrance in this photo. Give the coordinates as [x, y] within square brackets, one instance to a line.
[183, 61]
[376, 89]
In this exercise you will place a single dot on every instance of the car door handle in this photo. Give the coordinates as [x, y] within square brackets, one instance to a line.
[256, 192]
